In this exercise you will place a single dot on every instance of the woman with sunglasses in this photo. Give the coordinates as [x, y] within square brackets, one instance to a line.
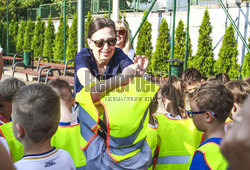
[124, 38]
[102, 60]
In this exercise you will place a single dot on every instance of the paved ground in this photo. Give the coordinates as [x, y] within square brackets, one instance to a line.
[8, 73]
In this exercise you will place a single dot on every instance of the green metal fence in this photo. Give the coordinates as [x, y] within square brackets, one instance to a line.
[102, 6]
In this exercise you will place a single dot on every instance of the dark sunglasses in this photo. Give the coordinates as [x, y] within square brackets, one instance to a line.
[100, 43]
[120, 32]
[191, 113]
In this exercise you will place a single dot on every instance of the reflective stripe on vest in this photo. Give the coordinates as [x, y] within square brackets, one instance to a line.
[177, 140]
[173, 159]
[118, 142]
[213, 157]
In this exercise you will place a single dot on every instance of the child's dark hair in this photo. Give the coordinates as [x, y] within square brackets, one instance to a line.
[214, 96]
[37, 108]
[239, 89]
[173, 90]
[223, 77]
[191, 75]
[61, 86]
[9, 87]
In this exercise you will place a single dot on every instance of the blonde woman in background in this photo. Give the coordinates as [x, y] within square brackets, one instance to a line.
[124, 39]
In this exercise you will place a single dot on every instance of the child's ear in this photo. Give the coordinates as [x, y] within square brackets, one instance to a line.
[208, 117]
[20, 130]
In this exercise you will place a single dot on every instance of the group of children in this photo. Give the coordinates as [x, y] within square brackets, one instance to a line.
[49, 132]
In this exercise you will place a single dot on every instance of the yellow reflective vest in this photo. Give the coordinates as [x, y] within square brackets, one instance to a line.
[177, 140]
[66, 137]
[212, 155]
[126, 111]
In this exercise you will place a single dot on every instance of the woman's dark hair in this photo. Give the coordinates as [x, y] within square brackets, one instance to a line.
[100, 23]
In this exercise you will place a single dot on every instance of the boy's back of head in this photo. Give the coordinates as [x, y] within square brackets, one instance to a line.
[9, 87]
[239, 89]
[215, 97]
[37, 108]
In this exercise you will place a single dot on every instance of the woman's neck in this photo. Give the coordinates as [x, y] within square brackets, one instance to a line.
[101, 67]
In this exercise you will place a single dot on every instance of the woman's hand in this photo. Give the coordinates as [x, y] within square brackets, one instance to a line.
[142, 62]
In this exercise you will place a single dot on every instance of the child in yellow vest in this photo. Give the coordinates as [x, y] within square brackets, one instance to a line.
[177, 135]
[211, 106]
[36, 113]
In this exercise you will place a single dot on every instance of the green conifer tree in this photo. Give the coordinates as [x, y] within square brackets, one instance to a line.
[38, 39]
[158, 63]
[49, 36]
[20, 37]
[28, 35]
[72, 40]
[144, 44]
[246, 64]
[124, 17]
[87, 23]
[227, 61]
[204, 58]
[13, 29]
[179, 45]
[120, 15]
[1, 29]
[4, 37]
[59, 40]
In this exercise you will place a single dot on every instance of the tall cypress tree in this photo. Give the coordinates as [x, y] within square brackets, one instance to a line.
[49, 36]
[144, 44]
[28, 35]
[59, 40]
[227, 61]
[119, 15]
[204, 58]
[179, 45]
[72, 40]
[87, 23]
[124, 17]
[4, 37]
[1, 29]
[13, 29]
[38, 39]
[20, 37]
[158, 63]
[246, 64]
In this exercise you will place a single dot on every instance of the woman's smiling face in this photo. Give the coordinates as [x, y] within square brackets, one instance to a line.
[105, 50]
